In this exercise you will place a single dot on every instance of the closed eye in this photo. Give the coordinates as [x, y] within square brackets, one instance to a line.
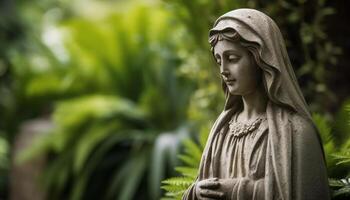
[233, 58]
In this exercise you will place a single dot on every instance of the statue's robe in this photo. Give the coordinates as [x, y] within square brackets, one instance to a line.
[284, 159]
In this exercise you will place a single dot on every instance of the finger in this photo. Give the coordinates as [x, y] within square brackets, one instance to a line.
[209, 185]
[212, 194]
[212, 179]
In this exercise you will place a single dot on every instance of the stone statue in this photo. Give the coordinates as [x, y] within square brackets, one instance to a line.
[264, 144]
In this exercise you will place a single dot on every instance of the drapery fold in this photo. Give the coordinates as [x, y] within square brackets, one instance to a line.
[294, 170]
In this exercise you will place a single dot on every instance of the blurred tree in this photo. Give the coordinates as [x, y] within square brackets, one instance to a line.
[118, 100]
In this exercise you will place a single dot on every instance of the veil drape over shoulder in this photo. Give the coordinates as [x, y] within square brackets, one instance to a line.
[295, 165]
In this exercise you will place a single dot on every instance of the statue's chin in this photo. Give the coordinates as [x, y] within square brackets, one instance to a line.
[235, 93]
[233, 90]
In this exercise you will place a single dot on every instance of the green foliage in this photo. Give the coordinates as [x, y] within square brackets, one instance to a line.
[176, 186]
[343, 124]
[324, 128]
[4, 150]
[116, 99]
[82, 126]
[341, 187]
[319, 53]
[4, 162]
[337, 155]
[343, 157]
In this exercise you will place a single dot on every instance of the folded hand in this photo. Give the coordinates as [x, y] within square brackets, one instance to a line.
[207, 189]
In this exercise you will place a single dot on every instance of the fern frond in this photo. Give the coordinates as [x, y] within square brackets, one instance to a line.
[193, 150]
[188, 160]
[342, 191]
[175, 187]
[340, 186]
[342, 157]
[190, 172]
[335, 182]
[178, 181]
[323, 127]
[174, 195]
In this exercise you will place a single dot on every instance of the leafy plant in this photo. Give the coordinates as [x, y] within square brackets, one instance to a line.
[341, 187]
[343, 157]
[4, 163]
[116, 99]
[324, 129]
[176, 186]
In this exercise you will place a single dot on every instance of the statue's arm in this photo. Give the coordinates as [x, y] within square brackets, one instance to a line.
[309, 175]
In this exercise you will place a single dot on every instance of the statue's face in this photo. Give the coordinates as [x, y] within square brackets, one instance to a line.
[237, 67]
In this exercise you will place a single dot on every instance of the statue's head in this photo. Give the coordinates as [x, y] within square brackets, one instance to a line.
[238, 60]
[249, 48]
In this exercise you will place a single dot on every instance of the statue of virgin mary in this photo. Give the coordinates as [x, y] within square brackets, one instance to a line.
[264, 145]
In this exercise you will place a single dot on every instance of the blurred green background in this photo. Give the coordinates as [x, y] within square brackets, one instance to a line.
[98, 98]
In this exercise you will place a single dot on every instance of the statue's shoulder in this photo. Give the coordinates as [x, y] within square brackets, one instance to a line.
[302, 127]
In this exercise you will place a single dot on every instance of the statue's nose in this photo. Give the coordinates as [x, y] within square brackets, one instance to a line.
[225, 74]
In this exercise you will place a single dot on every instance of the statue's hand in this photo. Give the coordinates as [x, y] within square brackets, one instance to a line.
[226, 187]
[207, 189]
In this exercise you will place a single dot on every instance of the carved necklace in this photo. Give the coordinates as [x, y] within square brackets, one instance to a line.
[239, 129]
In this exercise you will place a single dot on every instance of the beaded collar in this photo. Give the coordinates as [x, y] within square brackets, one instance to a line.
[239, 129]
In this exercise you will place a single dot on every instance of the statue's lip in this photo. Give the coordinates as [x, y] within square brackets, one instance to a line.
[230, 81]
